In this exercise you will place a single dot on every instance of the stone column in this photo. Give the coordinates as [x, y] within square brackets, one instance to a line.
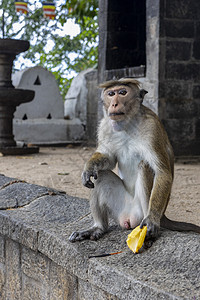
[179, 74]
[9, 96]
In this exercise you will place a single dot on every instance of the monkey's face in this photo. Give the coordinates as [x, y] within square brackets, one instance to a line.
[119, 101]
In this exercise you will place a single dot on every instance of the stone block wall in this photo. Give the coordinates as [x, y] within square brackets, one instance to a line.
[29, 275]
[179, 73]
[26, 274]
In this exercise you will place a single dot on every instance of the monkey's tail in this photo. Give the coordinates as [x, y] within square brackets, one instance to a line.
[178, 226]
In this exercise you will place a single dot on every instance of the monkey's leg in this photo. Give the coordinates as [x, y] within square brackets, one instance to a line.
[99, 212]
[100, 221]
[114, 199]
[107, 197]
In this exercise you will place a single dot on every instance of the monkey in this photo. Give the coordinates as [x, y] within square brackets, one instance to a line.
[132, 137]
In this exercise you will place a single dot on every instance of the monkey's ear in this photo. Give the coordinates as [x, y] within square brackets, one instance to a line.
[142, 94]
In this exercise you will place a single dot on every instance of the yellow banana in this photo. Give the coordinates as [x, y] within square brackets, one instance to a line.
[136, 238]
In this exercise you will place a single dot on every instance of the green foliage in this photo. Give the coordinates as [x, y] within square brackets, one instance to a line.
[79, 9]
[62, 54]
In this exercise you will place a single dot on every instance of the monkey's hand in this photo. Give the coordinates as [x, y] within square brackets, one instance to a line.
[96, 163]
[152, 228]
[86, 178]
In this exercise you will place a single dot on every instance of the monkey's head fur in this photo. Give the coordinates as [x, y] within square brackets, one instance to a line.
[122, 98]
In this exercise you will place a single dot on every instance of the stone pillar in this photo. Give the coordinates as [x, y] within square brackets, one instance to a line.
[6, 70]
[6, 125]
[179, 74]
[9, 96]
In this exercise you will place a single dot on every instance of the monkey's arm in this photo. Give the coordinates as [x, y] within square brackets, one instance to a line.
[97, 162]
[158, 201]
[163, 178]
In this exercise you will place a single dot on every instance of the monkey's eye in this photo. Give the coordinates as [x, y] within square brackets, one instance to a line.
[123, 92]
[111, 93]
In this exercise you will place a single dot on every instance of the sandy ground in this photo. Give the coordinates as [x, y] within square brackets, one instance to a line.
[61, 167]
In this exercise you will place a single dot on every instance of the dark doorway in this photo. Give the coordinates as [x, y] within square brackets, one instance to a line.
[126, 34]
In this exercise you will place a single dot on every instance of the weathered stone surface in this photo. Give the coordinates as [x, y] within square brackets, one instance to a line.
[33, 290]
[13, 285]
[62, 284]
[4, 181]
[2, 266]
[91, 292]
[196, 46]
[176, 50]
[19, 194]
[181, 109]
[54, 212]
[181, 71]
[176, 126]
[35, 265]
[2, 282]
[186, 9]
[179, 28]
[2, 249]
[196, 92]
[197, 32]
[165, 269]
[12, 228]
[58, 269]
[174, 90]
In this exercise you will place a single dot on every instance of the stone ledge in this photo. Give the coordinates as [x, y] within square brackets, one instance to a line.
[168, 270]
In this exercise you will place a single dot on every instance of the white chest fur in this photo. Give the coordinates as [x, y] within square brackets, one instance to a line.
[128, 153]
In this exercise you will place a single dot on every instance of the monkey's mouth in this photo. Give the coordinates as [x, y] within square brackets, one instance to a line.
[116, 114]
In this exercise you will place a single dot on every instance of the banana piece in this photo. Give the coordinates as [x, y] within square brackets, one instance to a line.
[136, 238]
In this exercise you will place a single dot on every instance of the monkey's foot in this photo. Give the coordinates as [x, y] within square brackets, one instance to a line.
[148, 243]
[152, 229]
[91, 234]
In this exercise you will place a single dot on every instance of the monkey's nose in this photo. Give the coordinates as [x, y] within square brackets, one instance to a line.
[115, 104]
